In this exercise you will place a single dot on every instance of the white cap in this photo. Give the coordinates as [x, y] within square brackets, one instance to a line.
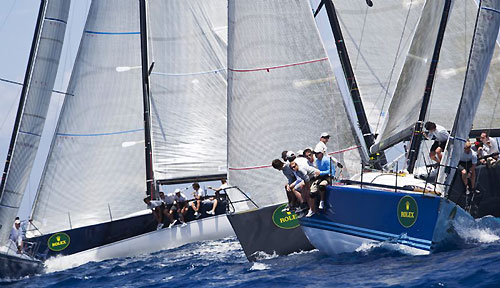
[325, 135]
[319, 150]
[300, 152]
[17, 221]
[177, 190]
[290, 154]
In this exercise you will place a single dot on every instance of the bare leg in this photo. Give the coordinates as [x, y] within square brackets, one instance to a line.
[215, 205]
[464, 177]
[439, 155]
[473, 178]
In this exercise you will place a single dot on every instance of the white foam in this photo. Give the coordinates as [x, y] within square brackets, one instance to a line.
[259, 266]
[261, 255]
[367, 247]
[476, 233]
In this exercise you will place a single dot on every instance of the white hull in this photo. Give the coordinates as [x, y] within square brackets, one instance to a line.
[211, 228]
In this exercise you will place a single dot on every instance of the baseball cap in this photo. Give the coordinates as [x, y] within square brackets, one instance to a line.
[325, 135]
[290, 154]
[17, 221]
[177, 190]
[300, 152]
[319, 150]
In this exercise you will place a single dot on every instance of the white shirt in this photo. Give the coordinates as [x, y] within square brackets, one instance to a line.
[472, 156]
[199, 192]
[440, 134]
[16, 235]
[180, 198]
[154, 203]
[493, 148]
[305, 171]
[169, 198]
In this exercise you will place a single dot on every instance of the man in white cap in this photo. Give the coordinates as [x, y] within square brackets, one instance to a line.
[180, 203]
[322, 143]
[16, 235]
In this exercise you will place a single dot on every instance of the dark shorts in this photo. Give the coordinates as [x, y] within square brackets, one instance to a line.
[464, 166]
[437, 144]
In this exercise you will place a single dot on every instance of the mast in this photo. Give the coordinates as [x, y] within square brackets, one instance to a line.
[350, 78]
[24, 92]
[150, 183]
[418, 128]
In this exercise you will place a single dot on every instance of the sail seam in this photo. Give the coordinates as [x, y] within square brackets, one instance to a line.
[30, 133]
[56, 20]
[280, 66]
[100, 134]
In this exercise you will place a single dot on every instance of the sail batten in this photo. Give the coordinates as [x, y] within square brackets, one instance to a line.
[38, 85]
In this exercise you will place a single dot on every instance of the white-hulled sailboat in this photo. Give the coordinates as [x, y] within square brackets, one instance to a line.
[141, 82]
[31, 113]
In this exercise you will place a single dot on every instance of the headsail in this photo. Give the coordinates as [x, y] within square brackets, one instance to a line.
[483, 47]
[95, 168]
[377, 39]
[281, 94]
[448, 81]
[35, 100]
[188, 87]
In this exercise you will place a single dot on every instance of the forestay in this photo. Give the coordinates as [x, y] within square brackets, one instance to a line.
[39, 83]
[449, 77]
[188, 87]
[281, 95]
[377, 40]
[95, 170]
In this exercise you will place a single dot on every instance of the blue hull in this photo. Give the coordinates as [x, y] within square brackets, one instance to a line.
[355, 216]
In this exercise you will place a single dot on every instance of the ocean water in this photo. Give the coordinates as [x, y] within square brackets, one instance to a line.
[472, 259]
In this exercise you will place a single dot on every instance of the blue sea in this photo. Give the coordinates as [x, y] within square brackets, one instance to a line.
[470, 260]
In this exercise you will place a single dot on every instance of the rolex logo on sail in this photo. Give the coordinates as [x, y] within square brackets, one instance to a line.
[58, 241]
[407, 211]
[285, 220]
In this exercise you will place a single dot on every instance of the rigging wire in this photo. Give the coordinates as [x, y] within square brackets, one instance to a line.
[394, 64]
[8, 14]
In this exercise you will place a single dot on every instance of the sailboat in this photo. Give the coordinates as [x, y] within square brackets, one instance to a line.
[282, 94]
[398, 207]
[30, 119]
[147, 95]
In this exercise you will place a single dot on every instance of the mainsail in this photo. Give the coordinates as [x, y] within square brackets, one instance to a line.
[188, 88]
[377, 40]
[95, 170]
[35, 99]
[281, 94]
[448, 82]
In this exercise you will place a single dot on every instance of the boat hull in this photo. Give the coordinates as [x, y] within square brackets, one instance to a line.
[355, 216]
[211, 228]
[269, 230]
[13, 266]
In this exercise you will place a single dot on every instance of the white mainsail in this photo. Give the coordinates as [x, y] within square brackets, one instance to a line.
[94, 172]
[188, 87]
[37, 93]
[282, 94]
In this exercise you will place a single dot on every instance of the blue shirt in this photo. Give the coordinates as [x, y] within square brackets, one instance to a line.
[324, 166]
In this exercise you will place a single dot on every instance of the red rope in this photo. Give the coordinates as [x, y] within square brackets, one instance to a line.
[276, 67]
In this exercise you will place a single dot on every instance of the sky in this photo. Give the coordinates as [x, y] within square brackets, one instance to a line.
[17, 24]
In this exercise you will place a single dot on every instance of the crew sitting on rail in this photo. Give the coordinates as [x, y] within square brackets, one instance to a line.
[156, 207]
[180, 205]
[293, 195]
[326, 171]
[490, 149]
[198, 197]
[168, 201]
[440, 136]
[308, 174]
[218, 196]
